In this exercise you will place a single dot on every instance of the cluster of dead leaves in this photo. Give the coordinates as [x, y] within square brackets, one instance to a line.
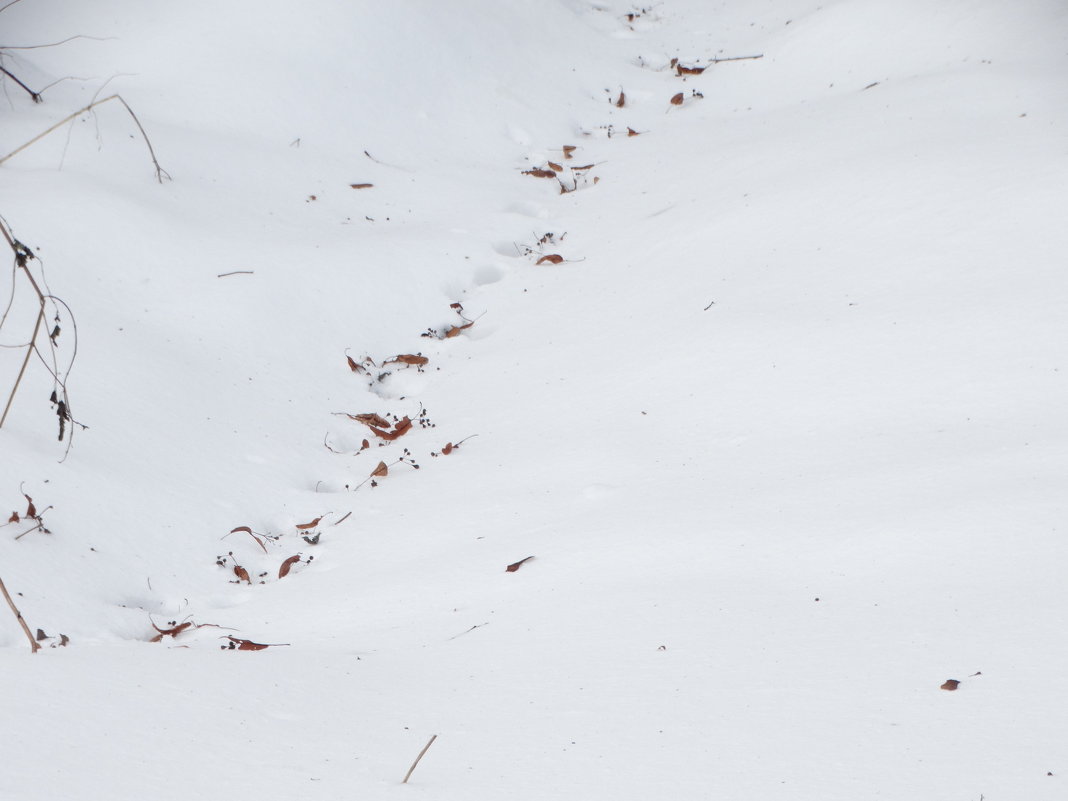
[31, 515]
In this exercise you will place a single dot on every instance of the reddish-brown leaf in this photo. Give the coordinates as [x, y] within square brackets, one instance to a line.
[552, 258]
[632, 132]
[689, 70]
[31, 510]
[568, 150]
[356, 368]
[555, 167]
[312, 524]
[448, 448]
[381, 470]
[245, 529]
[171, 632]
[246, 645]
[677, 99]
[399, 430]
[456, 329]
[361, 186]
[540, 173]
[457, 306]
[370, 419]
[583, 167]
[241, 574]
[365, 445]
[283, 571]
[951, 684]
[516, 565]
[622, 101]
[14, 518]
[408, 359]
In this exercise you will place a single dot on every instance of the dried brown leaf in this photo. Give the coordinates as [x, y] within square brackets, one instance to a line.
[31, 510]
[584, 167]
[540, 173]
[283, 571]
[408, 359]
[245, 529]
[555, 167]
[356, 368]
[312, 524]
[568, 150]
[622, 101]
[381, 470]
[241, 574]
[552, 258]
[951, 684]
[370, 419]
[448, 448]
[14, 518]
[632, 132]
[171, 632]
[676, 100]
[456, 329]
[365, 445]
[399, 429]
[516, 565]
[689, 70]
[361, 186]
[246, 645]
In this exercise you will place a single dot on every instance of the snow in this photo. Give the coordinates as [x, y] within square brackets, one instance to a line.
[783, 431]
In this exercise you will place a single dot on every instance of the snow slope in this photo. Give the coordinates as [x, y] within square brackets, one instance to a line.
[783, 430]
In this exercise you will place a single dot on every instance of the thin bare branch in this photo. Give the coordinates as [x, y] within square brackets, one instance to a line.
[34, 645]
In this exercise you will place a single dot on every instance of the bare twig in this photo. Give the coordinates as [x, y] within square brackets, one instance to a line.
[160, 172]
[235, 272]
[35, 646]
[734, 58]
[411, 770]
[35, 95]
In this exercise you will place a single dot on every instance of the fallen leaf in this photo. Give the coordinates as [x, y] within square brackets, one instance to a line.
[568, 150]
[674, 62]
[354, 366]
[516, 565]
[399, 430]
[632, 132]
[171, 632]
[408, 359]
[552, 258]
[14, 518]
[245, 529]
[361, 186]
[283, 571]
[689, 70]
[370, 419]
[63, 640]
[381, 470]
[951, 684]
[677, 99]
[241, 574]
[555, 167]
[583, 167]
[447, 449]
[31, 510]
[456, 329]
[622, 101]
[245, 645]
[365, 445]
[312, 524]
[41, 635]
[540, 173]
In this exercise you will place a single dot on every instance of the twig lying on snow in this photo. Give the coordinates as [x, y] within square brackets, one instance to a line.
[426, 747]
[35, 646]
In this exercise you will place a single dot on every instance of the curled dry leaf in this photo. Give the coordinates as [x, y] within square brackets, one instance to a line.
[14, 518]
[381, 470]
[950, 684]
[236, 643]
[555, 167]
[552, 258]
[370, 419]
[584, 167]
[312, 524]
[171, 632]
[365, 445]
[31, 510]
[244, 529]
[456, 329]
[540, 173]
[568, 150]
[516, 565]
[409, 359]
[448, 448]
[622, 100]
[361, 186]
[283, 571]
[241, 574]
[632, 132]
[689, 70]
[401, 428]
[356, 368]
[676, 100]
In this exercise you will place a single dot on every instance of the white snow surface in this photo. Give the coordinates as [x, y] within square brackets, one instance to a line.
[784, 431]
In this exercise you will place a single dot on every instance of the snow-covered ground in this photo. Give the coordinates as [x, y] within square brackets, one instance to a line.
[783, 426]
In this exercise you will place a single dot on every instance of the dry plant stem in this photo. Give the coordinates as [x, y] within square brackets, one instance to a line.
[411, 770]
[26, 361]
[34, 645]
[160, 172]
[35, 95]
